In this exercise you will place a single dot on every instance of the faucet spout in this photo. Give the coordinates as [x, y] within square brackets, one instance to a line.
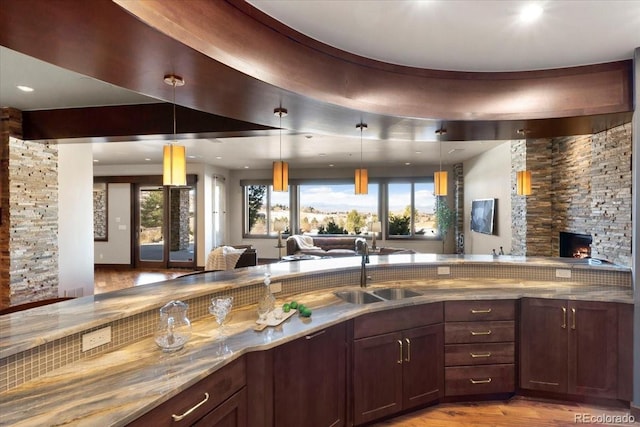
[362, 247]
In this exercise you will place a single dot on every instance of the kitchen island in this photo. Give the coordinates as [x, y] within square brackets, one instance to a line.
[124, 380]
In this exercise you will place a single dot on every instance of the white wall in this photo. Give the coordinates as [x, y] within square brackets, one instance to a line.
[265, 247]
[75, 219]
[489, 176]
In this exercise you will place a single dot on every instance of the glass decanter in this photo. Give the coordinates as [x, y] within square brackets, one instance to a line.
[267, 302]
[174, 328]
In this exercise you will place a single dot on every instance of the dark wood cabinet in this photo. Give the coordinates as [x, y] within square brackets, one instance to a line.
[479, 347]
[395, 371]
[569, 347]
[309, 385]
[220, 400]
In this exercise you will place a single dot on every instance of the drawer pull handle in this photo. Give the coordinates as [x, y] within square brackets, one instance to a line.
[180, 417]
[400, 359]
[485, 311]
[564, 318]
[474, 333]
[408, 359]
[475, 355]
[543, 382]
[573, 318]
[312, 336]
[487, 381]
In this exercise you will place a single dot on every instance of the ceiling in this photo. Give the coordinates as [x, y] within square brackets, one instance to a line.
[413, 33]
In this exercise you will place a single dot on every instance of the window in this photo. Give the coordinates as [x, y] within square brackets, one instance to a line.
[266, 210]
[329, 208]
[411, 210]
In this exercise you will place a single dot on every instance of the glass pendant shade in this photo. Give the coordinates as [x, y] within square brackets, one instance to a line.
[440, 181]
[280, 176]
[174, 165]
[523, 183]
[362, 181]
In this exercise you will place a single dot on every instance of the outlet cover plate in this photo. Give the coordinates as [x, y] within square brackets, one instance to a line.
[563, 273]
[276, 287]
[96, 338]
[444, 271]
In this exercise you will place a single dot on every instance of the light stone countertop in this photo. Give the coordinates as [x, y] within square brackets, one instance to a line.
[28, 329]
[116, 388]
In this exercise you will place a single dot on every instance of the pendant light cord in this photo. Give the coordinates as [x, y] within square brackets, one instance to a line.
[175, 136]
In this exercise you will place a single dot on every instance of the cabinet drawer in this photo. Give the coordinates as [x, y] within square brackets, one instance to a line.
[478, 354]
[471, 311]
[219, 386]
[469, 380]
[398, 319]
[471, 332]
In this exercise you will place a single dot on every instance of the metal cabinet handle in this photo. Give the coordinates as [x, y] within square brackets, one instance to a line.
[400, 359]
[312, 336]
[484, 311]
[573, 318]
[180, 417]
[408, 359]
[475, 355]
[487, 381]
[474, 333]
[564, 318]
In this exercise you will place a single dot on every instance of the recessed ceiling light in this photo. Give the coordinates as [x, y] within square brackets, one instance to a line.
[331, 165]
[418, 152]
[191, 157]
[95, 160]
[530, 12]
[219, 157]
[322, 154]
[246, 167]
[407, 163]
[25, 88]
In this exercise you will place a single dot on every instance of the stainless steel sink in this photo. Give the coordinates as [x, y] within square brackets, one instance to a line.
[358, 297]
[395, 293]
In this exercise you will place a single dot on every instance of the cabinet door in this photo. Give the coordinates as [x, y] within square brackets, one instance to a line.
[593, 348]
[423, 366]
[543, 344]
[310, 380]
[377, 376]
[231, 413]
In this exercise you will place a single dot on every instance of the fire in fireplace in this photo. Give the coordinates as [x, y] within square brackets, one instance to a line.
[574, 245]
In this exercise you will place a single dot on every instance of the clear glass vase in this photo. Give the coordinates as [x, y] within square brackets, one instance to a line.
[174, 328]
[267, 301]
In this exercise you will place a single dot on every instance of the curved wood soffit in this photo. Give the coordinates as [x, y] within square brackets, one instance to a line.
[247, 40]
[239, 63]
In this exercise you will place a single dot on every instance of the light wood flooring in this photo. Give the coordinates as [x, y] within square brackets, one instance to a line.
[515, 412]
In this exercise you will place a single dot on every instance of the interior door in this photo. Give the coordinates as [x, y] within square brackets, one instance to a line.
[165, 226]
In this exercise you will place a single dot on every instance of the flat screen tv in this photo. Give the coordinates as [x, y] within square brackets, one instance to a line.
[482, 215]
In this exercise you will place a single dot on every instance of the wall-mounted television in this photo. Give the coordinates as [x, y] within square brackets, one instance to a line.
[482, 215]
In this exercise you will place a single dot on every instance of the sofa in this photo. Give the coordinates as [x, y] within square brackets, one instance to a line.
[331, 246]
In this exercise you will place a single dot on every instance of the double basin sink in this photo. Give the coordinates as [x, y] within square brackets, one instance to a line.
[367, 297]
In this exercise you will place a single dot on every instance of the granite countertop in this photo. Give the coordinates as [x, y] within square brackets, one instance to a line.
[28, 329]
[117, 387]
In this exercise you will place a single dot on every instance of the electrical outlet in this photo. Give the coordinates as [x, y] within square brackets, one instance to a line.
[444, 271]
[563, 273]
[96, 338]
[276, 287]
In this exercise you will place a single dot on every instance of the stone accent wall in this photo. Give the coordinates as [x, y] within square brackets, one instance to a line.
[10, 126]
[33, 198]
[581, 184]
[458, 206]
[179, 219]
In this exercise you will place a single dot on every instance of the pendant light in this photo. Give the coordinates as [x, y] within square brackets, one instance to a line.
[280, 168]
[523, 177]
[440, 177]
[174, 171]
[362, 177]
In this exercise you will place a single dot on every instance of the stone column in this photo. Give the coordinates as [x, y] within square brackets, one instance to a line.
[635, 405]
[10, 126]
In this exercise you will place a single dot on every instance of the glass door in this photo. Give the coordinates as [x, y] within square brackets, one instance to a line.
[165, 219]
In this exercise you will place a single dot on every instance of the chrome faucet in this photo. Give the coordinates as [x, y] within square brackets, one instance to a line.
[362, 247]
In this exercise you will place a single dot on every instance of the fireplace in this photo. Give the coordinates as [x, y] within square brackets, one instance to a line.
[573, 245]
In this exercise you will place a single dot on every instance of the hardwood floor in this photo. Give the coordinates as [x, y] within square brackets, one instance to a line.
[517, 411]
